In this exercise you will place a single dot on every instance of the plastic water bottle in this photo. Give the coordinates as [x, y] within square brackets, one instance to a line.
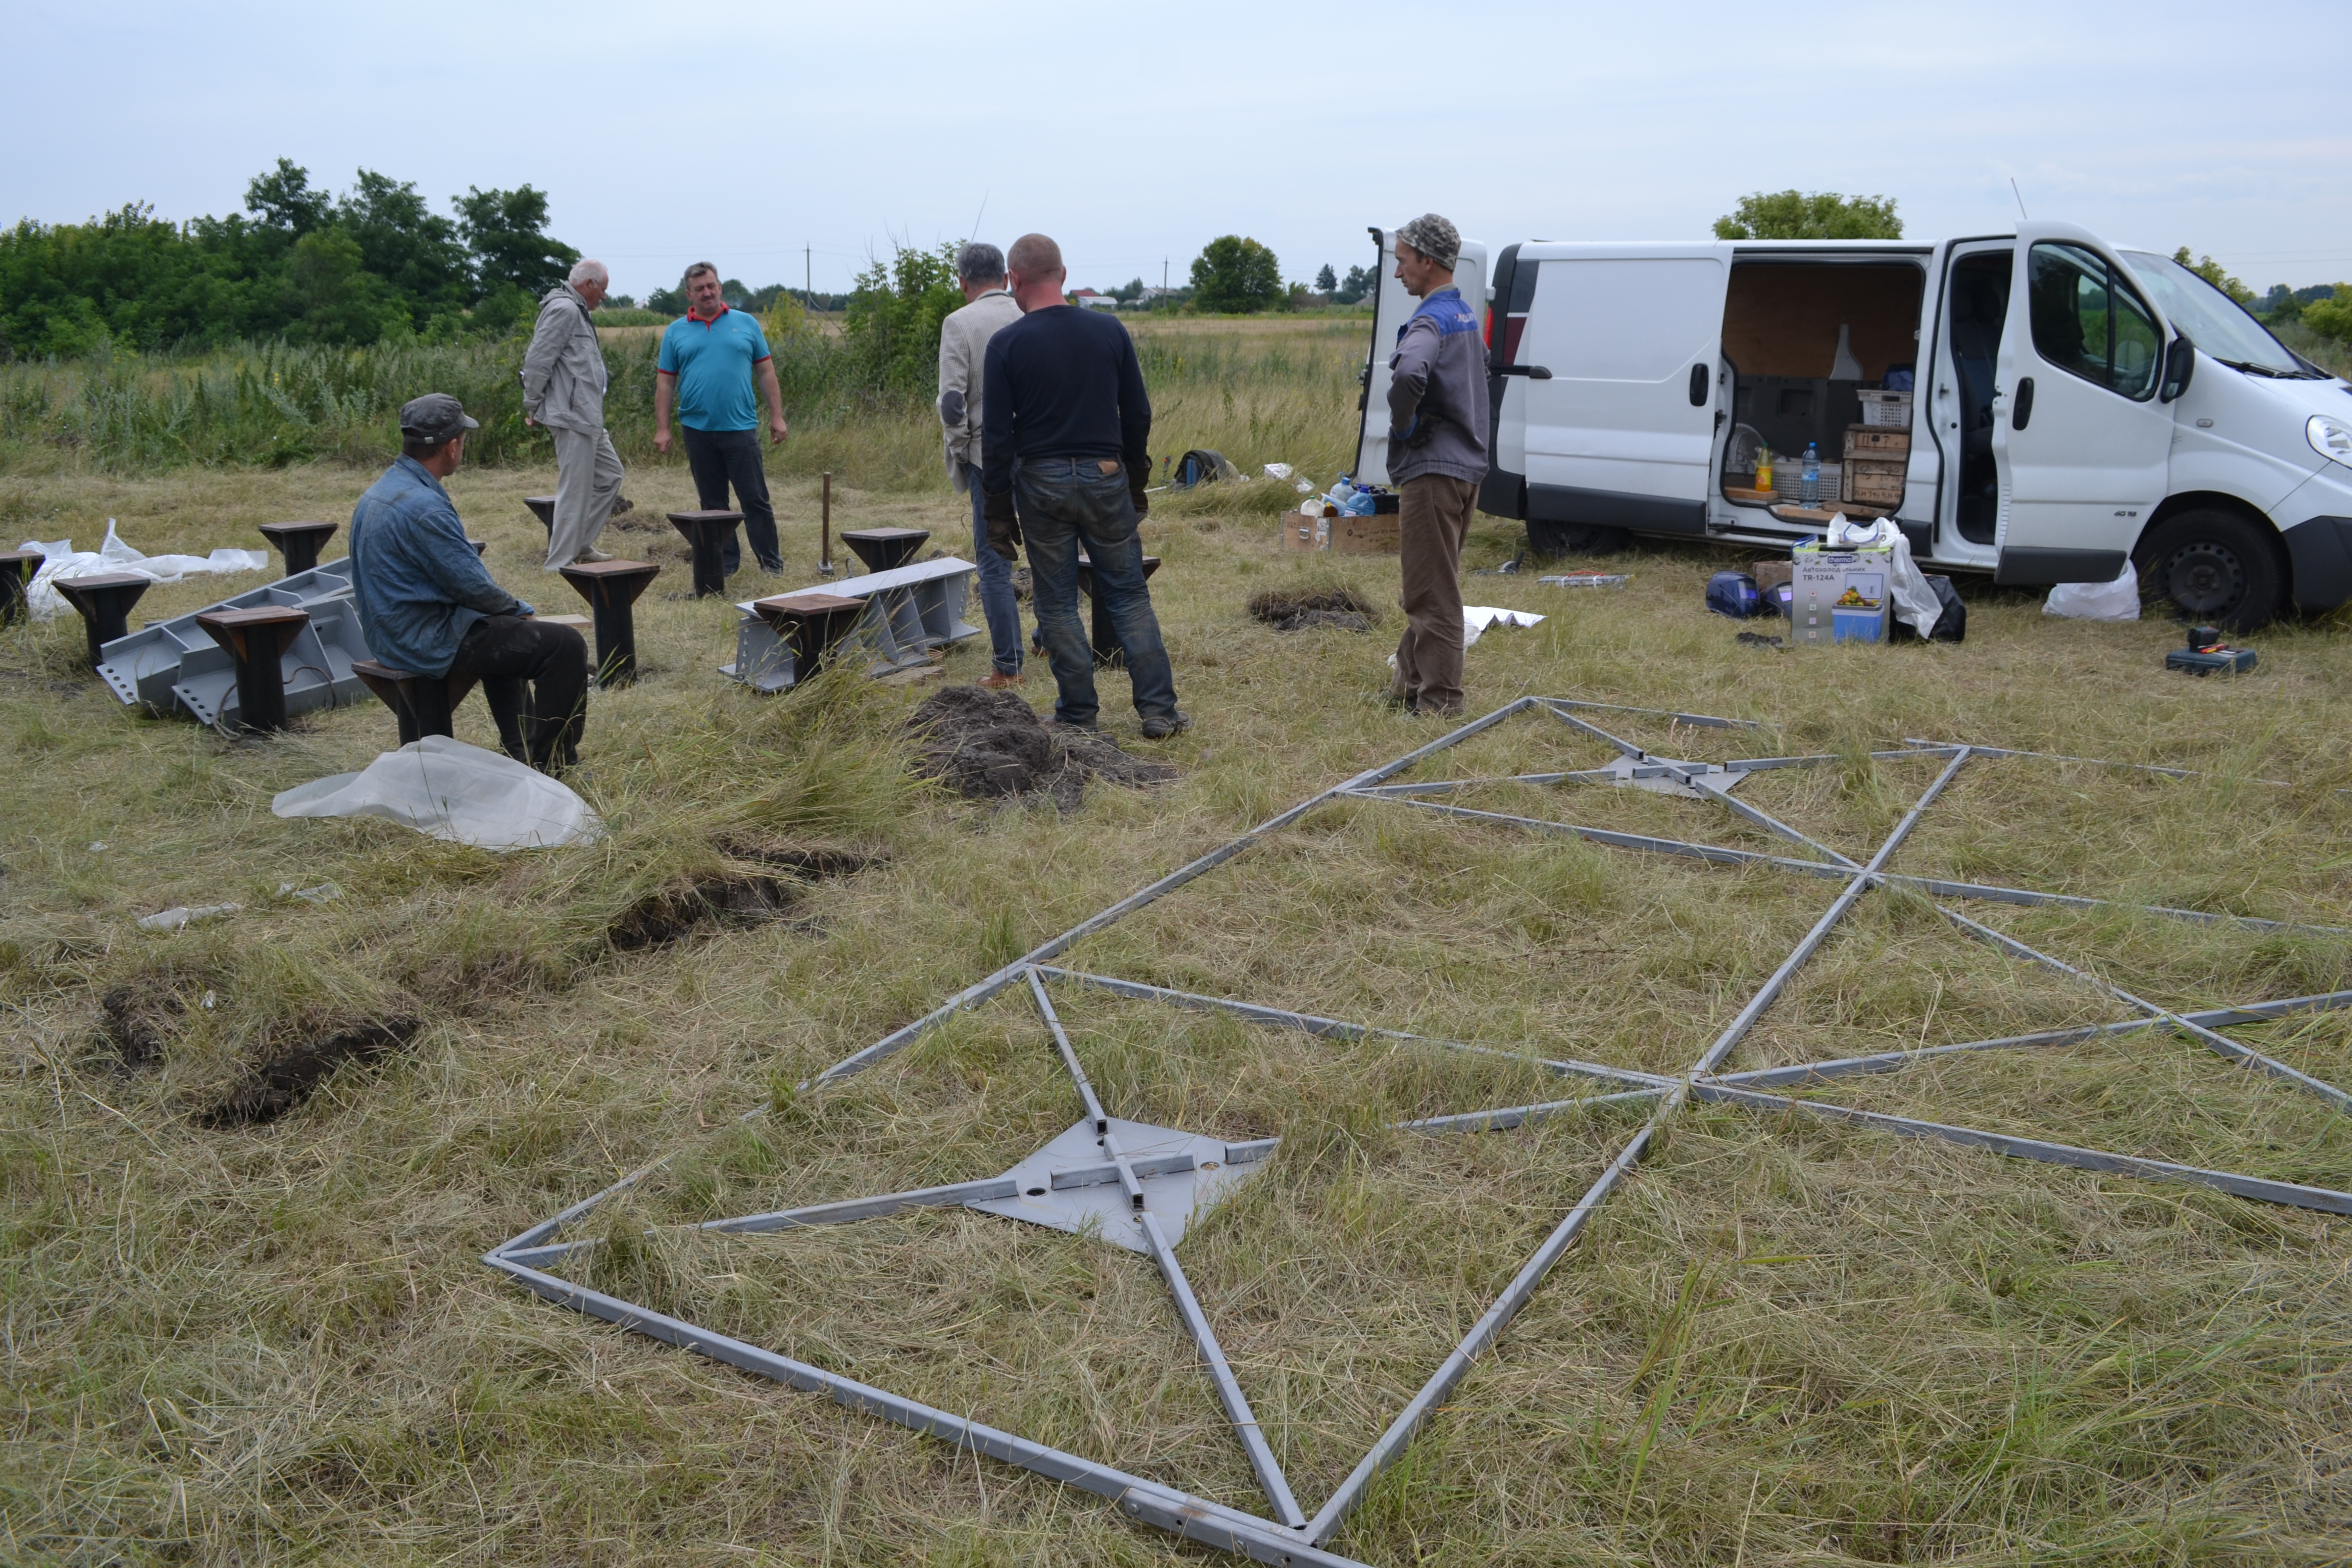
[1809, 483]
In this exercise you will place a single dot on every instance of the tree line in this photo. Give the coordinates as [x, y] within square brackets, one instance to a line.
[298, 263]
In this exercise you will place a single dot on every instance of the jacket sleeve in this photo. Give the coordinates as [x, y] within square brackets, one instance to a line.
[955, 378]
[548, 340]
[448, 560]
[1134, 410]
[996, 420]
[1408, 373]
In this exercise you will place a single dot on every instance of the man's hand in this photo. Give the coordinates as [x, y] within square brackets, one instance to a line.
[1003, 523]
[1135, 480]
[661, 439]
[528, 421]
[777, 430]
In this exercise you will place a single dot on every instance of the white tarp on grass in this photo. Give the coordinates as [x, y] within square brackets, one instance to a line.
[453, 791]
[60, 559]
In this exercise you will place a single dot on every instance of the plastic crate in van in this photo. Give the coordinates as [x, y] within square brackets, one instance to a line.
[1886, 410]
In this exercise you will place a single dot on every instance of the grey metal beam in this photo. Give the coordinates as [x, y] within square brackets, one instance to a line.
[1895, 1061]
[1336, 1028]
[1738, 1028]
[1506, 1306]
[1221, 1372]
[2221, 1044]
[1704, 720]
[849, 1209]
[1197, 1519]
[1095, 1110]
[1626, 748]
[2091, 762]
[2260, 1188]
[1508, 1117]
[1937, 887]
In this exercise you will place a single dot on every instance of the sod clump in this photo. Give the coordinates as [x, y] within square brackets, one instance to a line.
[1300, 610]
[991, 745]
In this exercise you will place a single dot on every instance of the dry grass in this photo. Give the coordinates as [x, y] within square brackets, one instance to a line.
[1782, 1342]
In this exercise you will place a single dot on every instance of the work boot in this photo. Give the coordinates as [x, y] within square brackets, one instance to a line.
[1159, 726]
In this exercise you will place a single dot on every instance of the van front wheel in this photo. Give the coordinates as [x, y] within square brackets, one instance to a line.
[2215, 566]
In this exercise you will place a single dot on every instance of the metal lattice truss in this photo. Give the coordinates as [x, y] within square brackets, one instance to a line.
[1137, 1187]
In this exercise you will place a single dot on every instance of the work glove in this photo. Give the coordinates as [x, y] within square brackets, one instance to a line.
[1003, 523]
[1135, 483]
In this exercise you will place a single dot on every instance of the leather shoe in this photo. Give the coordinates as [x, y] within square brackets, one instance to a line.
[997, 681]
[1159, 726]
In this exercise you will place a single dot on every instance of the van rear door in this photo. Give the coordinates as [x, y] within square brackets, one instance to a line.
[2082, 438]
[1622, 432]
[1392, 308]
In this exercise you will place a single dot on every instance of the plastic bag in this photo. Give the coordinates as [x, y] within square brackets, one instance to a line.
[1916, 603]
[2115, 601]
[456, 791]
[60, 559]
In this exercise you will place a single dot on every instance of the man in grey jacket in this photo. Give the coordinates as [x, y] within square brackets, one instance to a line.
[1437, 455]
[963, 354]
[563, 382]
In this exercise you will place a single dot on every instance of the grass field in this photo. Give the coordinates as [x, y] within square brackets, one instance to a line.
[1782, 1342]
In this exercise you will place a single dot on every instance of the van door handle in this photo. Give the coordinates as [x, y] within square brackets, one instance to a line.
[2024, 404]
[1532, 372]
[1698, 386]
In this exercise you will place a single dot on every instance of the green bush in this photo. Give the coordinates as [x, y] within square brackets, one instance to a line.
[892, 326]
[1235, 273]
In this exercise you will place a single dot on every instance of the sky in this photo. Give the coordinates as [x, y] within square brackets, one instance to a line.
[796, 141]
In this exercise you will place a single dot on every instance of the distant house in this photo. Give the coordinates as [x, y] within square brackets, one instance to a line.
[1092, 299]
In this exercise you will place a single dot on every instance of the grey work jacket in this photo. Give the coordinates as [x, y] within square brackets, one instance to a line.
[1437, 392]
[963, 351]
[563, 375]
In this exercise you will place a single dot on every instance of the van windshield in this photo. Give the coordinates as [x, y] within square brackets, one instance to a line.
[2210, 319]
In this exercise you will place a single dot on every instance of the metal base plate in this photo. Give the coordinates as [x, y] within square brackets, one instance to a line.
[1182, 1174]
[1650, 776]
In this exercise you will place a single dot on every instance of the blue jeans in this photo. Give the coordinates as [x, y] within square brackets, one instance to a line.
[1067, 504]
[997, 605]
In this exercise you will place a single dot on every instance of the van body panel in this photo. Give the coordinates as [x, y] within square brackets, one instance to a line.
[2093, 460]
[1612, 431]
[2228, 435]
[2320, 549]
[1392, 308]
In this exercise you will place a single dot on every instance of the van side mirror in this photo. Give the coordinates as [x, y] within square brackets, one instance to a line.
[2180, 364]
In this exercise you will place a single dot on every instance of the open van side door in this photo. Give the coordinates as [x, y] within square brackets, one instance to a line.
[1622, 432]
[2081, 434]
[1392, 308]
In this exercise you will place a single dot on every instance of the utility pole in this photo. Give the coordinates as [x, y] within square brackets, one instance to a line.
[808, 277]
[1164, 282]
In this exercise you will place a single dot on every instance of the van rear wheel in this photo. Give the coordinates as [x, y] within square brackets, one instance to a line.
[1549, 539]
[2215, 566]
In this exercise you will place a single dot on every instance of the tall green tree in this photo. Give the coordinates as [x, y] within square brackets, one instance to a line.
[1810, 214]
[894, 315]
[2210, 270]
[506, 233]
[1235, 273]
[1326, 281]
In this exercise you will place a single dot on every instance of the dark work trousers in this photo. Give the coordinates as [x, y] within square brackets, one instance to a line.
[1067, 504]
[1432, 519]
[723, 458]
[998, 607]
[533, 675]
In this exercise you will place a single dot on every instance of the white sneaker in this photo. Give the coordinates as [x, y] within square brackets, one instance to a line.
[592, 555]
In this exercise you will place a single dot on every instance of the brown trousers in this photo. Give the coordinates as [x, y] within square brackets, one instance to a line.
[1432, 518]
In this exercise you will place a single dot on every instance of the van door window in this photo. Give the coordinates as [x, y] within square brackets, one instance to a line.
[2088, 322]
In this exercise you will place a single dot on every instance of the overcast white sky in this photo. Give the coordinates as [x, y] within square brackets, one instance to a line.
[1135, 134]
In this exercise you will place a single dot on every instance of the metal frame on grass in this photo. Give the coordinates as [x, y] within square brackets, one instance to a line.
[1156, 1200]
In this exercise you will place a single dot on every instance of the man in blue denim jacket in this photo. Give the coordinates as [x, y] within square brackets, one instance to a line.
[430, 607]
[1064, 452]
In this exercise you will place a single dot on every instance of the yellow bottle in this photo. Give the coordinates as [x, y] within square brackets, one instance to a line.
[1764, 467]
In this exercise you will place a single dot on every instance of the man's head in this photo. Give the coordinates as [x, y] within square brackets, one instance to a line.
[433, 431]
[1035, 267]
[979, 268]
[1427, 248]
[702, 292]
[591, 281]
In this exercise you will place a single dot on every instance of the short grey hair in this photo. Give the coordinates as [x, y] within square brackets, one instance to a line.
[588, 270]
[980, 262]
[698, 269]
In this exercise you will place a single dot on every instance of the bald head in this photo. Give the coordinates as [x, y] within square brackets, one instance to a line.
[1035, 264]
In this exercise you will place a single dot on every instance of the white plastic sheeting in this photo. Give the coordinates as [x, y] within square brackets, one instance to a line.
[1476, 618]
[2115, 601]
[452, 791]
[60, 559]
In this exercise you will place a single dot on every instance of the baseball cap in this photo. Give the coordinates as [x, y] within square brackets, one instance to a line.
[436, 416]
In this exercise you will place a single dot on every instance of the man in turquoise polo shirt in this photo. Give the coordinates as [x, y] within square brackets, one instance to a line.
[709, 358]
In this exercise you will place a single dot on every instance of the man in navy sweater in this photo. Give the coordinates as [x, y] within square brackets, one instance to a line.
[1064, 452]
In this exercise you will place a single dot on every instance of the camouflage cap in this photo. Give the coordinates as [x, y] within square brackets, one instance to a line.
[1434, 238]
[436, 416]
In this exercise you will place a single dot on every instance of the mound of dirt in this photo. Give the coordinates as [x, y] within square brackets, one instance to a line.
[988, 745]
[285, 1080]
[1297, 610]
[733, 898]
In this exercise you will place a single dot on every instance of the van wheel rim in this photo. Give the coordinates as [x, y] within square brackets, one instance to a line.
[2205, 579]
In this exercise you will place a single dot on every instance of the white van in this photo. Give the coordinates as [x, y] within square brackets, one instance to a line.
[2076, 403]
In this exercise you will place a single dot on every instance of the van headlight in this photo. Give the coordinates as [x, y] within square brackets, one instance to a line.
[2330, 438]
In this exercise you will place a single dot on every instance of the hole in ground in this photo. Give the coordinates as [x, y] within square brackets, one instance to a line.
[141, 1020]
[734, 898]
[285, 1080]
